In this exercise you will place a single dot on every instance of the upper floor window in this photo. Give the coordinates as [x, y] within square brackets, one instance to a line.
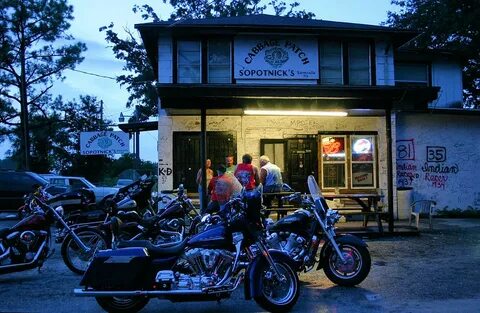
[188, 62]
[219, 56]
[359, 63]
[331, 63]
[411, 74]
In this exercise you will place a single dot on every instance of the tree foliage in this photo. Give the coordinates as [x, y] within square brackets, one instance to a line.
[446, 24]
[32, 56]
[140, 75]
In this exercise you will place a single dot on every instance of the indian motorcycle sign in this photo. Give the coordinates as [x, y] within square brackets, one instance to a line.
[104, 142]
[275, 58]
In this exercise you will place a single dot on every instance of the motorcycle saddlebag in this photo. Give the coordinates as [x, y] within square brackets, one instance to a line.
[119, 269]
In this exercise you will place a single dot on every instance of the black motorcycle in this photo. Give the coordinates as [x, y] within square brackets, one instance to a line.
[26, 245]
[206, 266]
[345, 259]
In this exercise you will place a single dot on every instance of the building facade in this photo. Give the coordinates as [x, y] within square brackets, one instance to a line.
[340, 101]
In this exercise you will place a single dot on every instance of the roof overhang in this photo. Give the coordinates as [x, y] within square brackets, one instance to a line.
[304, 97]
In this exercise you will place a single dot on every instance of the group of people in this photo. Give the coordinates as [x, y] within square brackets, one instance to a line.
[231, 178]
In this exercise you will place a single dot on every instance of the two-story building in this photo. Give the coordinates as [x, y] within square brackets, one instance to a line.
[341, 101]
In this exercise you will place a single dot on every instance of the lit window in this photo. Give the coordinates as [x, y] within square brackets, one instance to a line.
[363, 161]
[348, 161]
[333, 161]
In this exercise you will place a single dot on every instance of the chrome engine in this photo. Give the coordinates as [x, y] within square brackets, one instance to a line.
[209, 266]
[292, 244]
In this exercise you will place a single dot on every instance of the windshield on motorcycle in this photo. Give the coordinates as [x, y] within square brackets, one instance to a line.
[316, 194]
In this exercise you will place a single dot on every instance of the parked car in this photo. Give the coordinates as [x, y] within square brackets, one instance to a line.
[61, 184]
[122, 182]
[14, 185]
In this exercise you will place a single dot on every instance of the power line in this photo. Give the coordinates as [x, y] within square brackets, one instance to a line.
[93, 74]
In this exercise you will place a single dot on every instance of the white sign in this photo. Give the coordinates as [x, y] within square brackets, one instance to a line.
[104, 142]
[275, 58]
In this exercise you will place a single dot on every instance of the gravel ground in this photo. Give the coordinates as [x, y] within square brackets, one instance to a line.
[434, 272]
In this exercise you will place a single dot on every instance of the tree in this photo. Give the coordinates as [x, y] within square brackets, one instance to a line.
[130, 49]
[31, 57]
[448, 24]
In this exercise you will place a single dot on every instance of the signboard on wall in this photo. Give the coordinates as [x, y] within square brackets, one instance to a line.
[267, 57]
[104, 142]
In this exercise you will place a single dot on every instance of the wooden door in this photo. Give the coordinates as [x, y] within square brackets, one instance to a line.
[302, 162]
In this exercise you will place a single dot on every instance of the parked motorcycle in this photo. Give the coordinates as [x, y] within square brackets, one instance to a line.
[134, 198]
[26, 245]
[345, 259]
[206, 266]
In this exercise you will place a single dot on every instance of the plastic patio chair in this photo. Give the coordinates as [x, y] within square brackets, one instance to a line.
[421, 207]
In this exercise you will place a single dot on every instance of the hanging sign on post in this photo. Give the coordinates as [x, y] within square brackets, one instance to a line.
[104, 142]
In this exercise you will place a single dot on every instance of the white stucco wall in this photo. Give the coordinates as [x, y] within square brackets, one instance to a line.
[439, 156]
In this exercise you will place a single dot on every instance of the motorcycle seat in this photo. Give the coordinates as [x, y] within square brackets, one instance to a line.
[4, 232]
[168, 249]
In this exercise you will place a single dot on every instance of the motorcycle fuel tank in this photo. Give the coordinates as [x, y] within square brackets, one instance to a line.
[31, 222]
[216, 237]
[296, 223]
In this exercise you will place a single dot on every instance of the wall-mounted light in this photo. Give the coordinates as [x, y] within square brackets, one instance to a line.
[295, 113]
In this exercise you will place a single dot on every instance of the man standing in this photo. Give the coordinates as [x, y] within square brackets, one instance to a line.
[229, 164]
[247, 173]
[270, 175]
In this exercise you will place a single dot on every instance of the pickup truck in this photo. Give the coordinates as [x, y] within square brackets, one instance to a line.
[60, 184]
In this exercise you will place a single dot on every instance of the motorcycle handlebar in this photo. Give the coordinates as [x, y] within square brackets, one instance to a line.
[294, 196]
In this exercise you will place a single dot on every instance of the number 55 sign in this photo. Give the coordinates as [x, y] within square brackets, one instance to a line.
[436, 154]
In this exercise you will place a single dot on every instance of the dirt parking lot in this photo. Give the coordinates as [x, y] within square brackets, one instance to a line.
[435, 272]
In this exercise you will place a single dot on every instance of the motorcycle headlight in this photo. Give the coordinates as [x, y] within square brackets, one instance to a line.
[59, 210]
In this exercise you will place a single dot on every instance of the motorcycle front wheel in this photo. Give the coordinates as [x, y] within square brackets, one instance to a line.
[121, 304]
[351, 272]
[277, 295]
[73, 256]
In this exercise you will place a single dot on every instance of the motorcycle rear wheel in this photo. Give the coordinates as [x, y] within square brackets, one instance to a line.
[354, 271]
[277, 296]
[76, 260]
[122, 305]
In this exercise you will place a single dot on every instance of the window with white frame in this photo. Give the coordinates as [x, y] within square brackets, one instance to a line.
[334, 161]
[353, 152]
[359, 63]
[363, 161]
[188, 62]
[331, 63]
[219, 56]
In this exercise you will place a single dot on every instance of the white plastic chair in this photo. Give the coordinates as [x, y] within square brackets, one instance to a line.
[421, 207]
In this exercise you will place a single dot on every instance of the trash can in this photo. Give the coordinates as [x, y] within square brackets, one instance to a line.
[404, 200]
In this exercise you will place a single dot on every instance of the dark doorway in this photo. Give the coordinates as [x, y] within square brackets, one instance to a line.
[186, 154]
[302, 161]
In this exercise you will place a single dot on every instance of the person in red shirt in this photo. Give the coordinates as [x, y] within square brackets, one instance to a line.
[221, 188]
[247, 173]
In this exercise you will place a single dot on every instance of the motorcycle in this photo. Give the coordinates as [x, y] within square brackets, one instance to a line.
[26, 245]
[207, 266]
[133, 198]
[345, 259]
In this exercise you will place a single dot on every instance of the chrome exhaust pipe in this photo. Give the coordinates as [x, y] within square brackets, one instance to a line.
[135, 293]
